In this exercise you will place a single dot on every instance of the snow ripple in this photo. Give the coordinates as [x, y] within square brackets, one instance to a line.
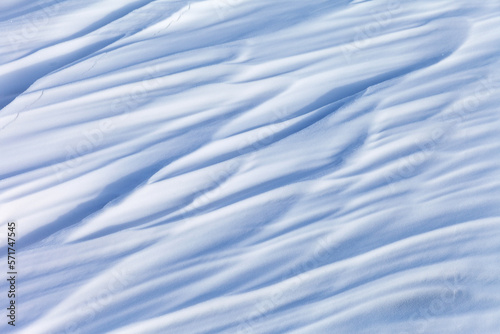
[252, 166]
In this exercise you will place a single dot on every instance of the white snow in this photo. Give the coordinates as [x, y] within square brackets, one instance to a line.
[250, 166]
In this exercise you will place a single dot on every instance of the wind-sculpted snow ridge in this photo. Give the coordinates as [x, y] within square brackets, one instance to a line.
[252, 166]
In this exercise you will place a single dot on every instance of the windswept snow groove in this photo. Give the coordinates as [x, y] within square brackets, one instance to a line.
[252, 166]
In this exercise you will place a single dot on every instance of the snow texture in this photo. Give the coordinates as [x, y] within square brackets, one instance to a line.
[251, 166]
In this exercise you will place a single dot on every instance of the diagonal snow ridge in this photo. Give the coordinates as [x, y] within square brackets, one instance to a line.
[237, 166]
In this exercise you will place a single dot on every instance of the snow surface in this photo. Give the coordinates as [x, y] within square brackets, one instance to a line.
[250, 166]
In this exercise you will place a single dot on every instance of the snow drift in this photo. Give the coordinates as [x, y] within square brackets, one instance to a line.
[252, 166]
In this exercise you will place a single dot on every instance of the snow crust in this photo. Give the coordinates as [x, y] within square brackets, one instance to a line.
[237, 166]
